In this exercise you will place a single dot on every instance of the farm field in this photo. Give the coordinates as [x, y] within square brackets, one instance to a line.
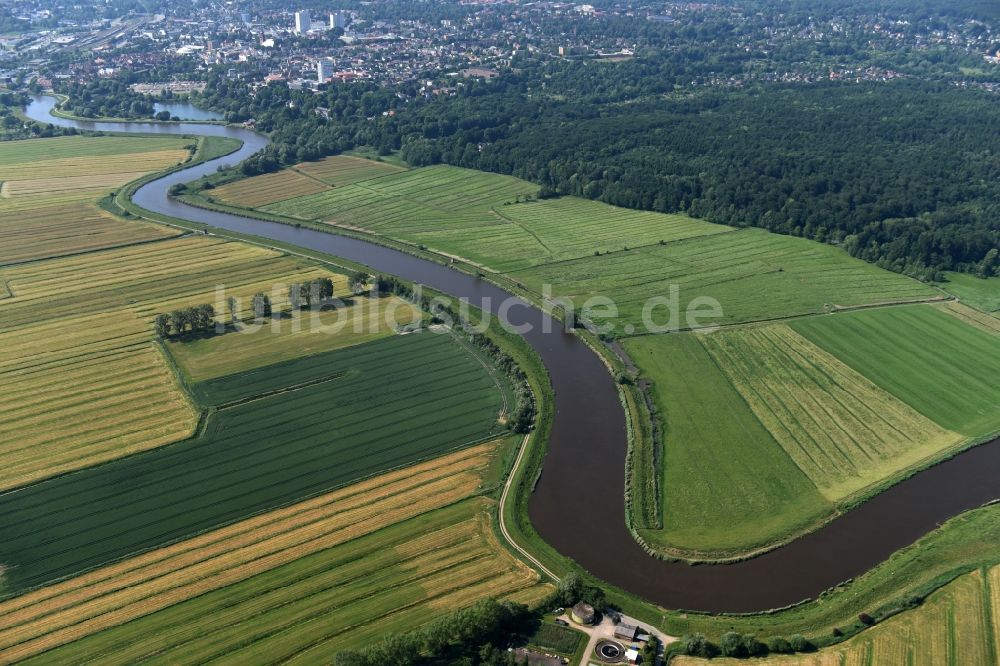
[973, 317]
[51, 186]
[300, 428]
[85, 383]
[958, 625]
[309, 332]
[942, 367]
[805, 427]
[977, 292]
[267, 189]
[474, 215]
[341, 597]
[485, 218]
[725, 483]
[291, 548]
[754, 275]
[340, 170]
[838, 427]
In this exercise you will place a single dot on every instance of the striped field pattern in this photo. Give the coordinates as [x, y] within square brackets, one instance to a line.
[50, 188]
[249, 549]
[84, 382]
[267, 444]
[957, 626]
[842, 430]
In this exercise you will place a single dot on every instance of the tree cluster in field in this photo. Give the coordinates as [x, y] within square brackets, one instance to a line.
[740, 646]
[197, 319]
[573, 588]
[476, 636]
[306, 294]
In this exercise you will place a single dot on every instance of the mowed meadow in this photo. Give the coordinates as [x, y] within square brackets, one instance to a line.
[820, 410]
[86, 381]
[332, 572]
[810, 426]
[958, 625]
[50, 188]
[265, 493]
[581, 248]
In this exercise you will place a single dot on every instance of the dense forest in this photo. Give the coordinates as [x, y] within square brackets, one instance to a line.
[903, 174]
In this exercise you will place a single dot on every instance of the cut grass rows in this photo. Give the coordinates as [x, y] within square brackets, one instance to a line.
[752, 274]
[77, 152]
[726, 484]
[138, 586]
[308, 333]
[940, 366]
[335, 598]
[840, 429]
[954, 627]
[973, 317]
[342, 170]
[291, 445]
[268, 189]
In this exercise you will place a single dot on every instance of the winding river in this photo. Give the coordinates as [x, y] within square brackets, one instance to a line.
[578, 504]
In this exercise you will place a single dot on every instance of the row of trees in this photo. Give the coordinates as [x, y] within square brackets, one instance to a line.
[197, 319]
[734, 644]
[474, 636]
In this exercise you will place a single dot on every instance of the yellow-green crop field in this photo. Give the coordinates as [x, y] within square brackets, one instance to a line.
[285, 563]
[819, 411]
[838, 427]
[51, 186]
[958, 625]
[973, 317]
[268, 188]
[85, 383]
[308, 332]
[585, 248]
[342, 170]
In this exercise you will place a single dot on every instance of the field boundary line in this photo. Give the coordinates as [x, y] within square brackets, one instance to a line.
[279, 391]
[522, 228]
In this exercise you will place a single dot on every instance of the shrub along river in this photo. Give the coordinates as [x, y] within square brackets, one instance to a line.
[578, 505]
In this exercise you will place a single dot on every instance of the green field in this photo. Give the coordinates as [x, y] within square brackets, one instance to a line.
[488, 219]
[957, 626]
[308, 332]
[839, 428]
[817, 412]
[726, 483]
[754, 275]
[277, 435]
[940, 366]
[344, 597]
[980, 293]
[477, 216]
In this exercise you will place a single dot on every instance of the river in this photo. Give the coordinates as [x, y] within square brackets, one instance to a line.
[578, 505]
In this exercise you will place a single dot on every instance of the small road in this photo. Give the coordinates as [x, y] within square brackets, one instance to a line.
[503, 503]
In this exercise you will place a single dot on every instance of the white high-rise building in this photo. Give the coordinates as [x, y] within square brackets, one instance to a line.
[324, 69]
[302, 21]
[338, 20]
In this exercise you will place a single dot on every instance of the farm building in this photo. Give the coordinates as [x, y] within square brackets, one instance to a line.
[582, 613]
[626, 632]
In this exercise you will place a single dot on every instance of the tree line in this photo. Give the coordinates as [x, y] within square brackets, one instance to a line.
[196, 319]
